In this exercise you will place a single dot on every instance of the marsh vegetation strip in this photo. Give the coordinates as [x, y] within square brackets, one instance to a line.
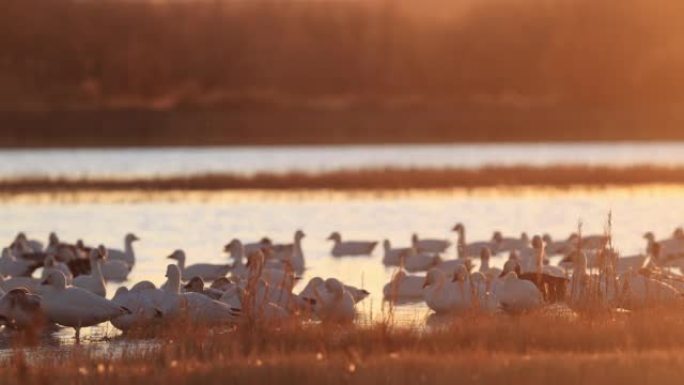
[369, 179]
[612, 348]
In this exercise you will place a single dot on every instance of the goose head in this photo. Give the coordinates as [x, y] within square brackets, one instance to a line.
[649, 236]
[458, 227]
[547, 239]
[172, 272]
[53, 240]
[130, 238]
[524, 237]
[336, 237]
[414, 238]
[196, 285]
[103, 252]
[537, 242]
[21, 237]
[497, 237]
[460, 274]
[222, 284]
[299, 235]
[234, 247]
[386, 244]
[485, 254]
[177, 255]
[511, 265]
[678, 233]
[55, 279]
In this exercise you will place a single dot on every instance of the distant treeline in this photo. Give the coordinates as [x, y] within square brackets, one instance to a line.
[496, 67]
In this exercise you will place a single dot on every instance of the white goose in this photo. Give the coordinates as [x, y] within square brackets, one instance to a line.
[75, 307]
[206, 271]
[26, 245]
[196, 285]
[517, 295]
[308, 292]
[14, 267]
[93, 282]
[404, 287]
[140, 300]
[126, 255]
[350, 248]
[113, 270]
[333, 303]
[51, 265]
[444, 296]
[421, 262]
[508, 244]
[295, 258]
[20, 309]
[196, 307]
[393, 256]
[9, 284]
[464, 249]
[670, 248]
[429, 245]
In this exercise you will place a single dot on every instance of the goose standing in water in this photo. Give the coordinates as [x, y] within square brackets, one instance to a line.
[75, 307]
[429, 245]
[19, 309]
[25, 245]
[206, 271]
[140, 300]
[464, 250]
[126, 255]
[350, 248]
[295, 258]
[94, 282]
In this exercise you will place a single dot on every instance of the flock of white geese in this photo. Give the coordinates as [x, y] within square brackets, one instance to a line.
[65, 284]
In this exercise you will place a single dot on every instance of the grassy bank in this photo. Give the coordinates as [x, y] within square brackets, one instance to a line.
[635, 348]
[372, 179]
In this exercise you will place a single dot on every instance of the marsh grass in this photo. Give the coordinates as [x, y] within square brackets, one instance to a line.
[613, 347]
[367, 179]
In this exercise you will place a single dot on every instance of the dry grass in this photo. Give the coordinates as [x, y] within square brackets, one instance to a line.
[371, 179]
[612, 348]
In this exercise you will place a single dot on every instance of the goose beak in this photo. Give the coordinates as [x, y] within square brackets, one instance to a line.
[135, 238]
[226, 248]
[425, 284]
[171, 257]
[45, 282]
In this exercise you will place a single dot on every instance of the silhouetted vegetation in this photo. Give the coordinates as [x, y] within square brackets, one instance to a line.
[372, 179]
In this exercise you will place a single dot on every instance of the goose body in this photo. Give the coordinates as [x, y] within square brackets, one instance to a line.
[334, 304]
[309, 290]
[140, 300]
[421, 262]
[639, 291]
[394, 256]
[350, 248]
[507, 244]
[127, 255]
[93, 282]
[464, 249]
[404, 287]
[447, 296]
[517, 295]
[115, 270]
[207, 271]
[196, 307]
[51, 265]
[19, 309]
[10, 266]
[429, 245]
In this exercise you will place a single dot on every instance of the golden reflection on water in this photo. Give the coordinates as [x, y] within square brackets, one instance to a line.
[248, 195]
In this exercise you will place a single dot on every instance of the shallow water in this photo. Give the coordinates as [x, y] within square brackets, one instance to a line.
[137, 162]
[203, 226]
